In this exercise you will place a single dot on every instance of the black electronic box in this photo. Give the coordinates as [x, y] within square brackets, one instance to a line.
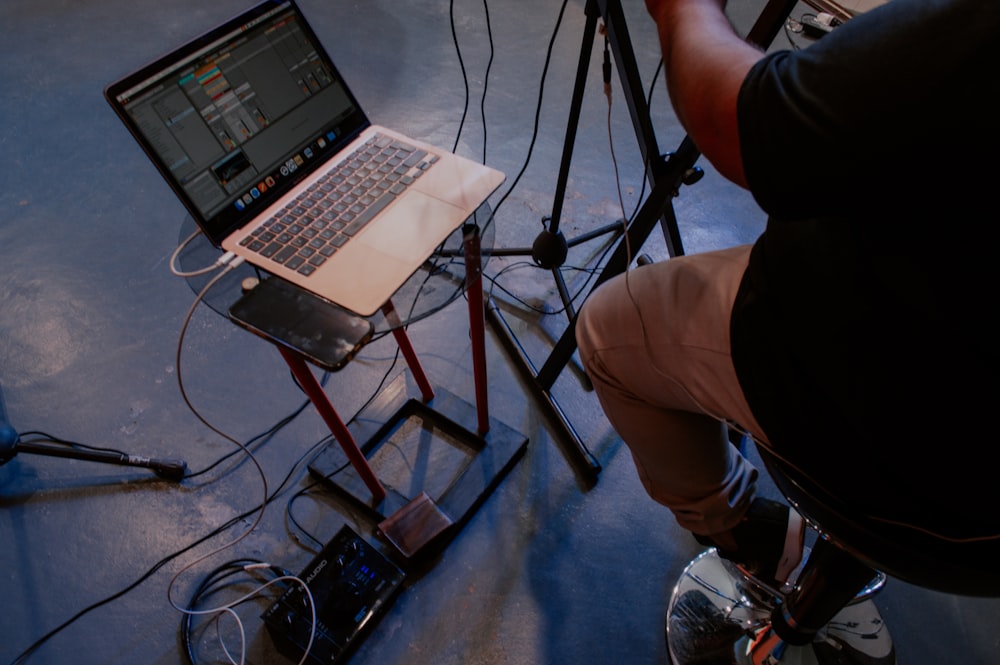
[352, 584]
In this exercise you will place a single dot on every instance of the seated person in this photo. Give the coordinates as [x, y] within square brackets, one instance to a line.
[854, 338]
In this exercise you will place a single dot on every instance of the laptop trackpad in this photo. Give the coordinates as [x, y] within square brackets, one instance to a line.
[413, 227]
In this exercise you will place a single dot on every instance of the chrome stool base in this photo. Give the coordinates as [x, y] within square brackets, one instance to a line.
[720, 616]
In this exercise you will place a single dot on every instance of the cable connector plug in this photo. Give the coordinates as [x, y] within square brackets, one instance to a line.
[233, 262]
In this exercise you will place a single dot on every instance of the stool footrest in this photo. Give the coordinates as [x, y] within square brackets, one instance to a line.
[718, 615]
[830, 580]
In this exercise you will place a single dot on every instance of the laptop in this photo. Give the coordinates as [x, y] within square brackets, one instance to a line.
[257, 132]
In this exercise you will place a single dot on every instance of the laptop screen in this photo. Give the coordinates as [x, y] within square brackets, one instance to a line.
[236, 117]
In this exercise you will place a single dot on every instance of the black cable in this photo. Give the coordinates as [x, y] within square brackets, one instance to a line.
[211, 584]
[291, 516]
[538, 110]
[649, 98]
[271, 431]
[792, 26]
[592, 272]
[44, 437]
[24, 655]
[486, 77]
[465, 79]
[307, 491]
[645, 179]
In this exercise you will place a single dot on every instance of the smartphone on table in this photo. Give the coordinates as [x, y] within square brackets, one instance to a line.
[282, 313]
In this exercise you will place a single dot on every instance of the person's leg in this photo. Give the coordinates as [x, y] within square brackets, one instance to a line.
[655, 343]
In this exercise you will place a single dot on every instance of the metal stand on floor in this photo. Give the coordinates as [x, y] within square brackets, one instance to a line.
[665, 173]
[11, 444]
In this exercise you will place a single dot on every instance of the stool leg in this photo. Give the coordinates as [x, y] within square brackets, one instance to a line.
[830, 579]
[719, 616]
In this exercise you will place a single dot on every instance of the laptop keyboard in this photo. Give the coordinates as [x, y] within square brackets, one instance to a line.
[310, 229]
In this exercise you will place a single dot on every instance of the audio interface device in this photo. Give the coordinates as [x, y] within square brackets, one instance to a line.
[352, 585]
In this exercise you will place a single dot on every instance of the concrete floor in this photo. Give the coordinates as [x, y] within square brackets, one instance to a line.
[550, 569]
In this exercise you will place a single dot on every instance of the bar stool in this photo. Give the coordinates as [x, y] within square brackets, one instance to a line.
[720, 615]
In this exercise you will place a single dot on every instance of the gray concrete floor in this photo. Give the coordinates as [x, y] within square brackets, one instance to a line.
[550, 569]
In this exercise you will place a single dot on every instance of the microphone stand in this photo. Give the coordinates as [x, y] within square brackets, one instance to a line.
[11, 445]
[665, 173]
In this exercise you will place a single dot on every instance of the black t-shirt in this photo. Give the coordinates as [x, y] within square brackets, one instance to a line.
[863, 333]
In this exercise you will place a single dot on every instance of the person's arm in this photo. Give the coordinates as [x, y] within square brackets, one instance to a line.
[705, 62]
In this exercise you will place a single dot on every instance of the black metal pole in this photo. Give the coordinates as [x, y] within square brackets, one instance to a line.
[665, 173]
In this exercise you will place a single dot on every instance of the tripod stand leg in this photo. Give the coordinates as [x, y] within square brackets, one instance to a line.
[542, 382]
[585, 462]
[655, 207]
[665, 175]
[573, 121]
[764, 30]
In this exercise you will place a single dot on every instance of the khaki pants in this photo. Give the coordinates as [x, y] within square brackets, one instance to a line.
[655, 343]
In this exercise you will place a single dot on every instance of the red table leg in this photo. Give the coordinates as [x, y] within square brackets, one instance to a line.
[477, 321]
[337, 427]
[399, 332]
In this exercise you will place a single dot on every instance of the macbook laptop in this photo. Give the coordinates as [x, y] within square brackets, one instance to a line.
[259, 135]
